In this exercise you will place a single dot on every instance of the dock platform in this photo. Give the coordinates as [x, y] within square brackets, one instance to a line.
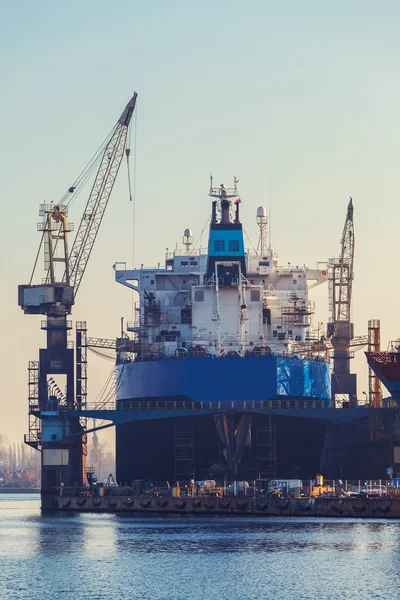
[350, 507]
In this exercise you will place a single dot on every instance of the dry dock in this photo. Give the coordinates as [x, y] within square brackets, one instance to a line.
[380, 507]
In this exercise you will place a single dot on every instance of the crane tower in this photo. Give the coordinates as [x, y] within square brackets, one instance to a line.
[340, 328]
[59, 436]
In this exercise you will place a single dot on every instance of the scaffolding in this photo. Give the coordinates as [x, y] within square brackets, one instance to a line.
[34, 437]
[184, 452]
[81, 365]
[296, 314]
[266, 448]
[81, 381]
[374, 345]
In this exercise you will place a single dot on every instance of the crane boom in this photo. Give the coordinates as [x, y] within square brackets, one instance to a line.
[98, 198]
[55, 296]
[346, 276]
[341, 329]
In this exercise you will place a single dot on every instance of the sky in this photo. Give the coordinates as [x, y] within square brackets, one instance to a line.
[299, 100]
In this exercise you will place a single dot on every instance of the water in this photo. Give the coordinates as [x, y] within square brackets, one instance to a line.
[87, 556]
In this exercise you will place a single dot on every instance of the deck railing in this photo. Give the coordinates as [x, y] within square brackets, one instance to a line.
[210, 405]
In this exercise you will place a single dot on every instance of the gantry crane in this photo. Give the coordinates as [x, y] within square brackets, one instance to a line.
[57, 435]
[340, 328]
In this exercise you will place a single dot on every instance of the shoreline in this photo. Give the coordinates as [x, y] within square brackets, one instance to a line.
[6, 490]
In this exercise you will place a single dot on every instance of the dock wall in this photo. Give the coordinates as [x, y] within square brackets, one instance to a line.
[388, 508]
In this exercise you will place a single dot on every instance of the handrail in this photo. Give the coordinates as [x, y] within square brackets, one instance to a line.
[275, 404]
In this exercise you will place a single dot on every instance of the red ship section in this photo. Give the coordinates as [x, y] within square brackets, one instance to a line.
[386, 365]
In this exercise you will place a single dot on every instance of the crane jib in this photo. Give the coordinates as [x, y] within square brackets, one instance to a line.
[98, 198]
[128, 112]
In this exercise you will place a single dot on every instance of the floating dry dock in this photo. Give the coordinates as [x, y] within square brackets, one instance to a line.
[380, 507]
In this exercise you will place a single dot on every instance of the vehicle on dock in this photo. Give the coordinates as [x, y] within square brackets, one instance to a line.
[238, 488]
[285, 487]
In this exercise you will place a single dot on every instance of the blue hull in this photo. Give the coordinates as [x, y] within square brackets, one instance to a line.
[223, 381]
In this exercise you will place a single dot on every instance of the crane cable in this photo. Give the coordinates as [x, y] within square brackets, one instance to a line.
[132, 191]
[101, 353]
[36, 259]
[75, 189]
[127, 153]
[84, 175]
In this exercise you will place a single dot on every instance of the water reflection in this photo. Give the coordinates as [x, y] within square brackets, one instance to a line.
[175, 558]
[228, 535]
[61, 534]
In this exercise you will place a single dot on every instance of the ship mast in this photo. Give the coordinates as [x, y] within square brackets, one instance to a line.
[262, 222]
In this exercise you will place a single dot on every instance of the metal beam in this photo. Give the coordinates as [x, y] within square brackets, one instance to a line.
[344, 415]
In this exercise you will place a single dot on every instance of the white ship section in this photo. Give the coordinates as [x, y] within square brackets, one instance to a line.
[181, 311]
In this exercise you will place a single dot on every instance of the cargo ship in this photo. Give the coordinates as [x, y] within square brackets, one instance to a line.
[221, 328]
[223, 372]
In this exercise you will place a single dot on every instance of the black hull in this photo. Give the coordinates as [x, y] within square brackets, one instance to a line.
[358, 450]
[147, 450]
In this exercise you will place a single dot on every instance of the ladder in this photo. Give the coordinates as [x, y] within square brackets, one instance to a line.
[266, 448]
[34, 437]
[183, 452]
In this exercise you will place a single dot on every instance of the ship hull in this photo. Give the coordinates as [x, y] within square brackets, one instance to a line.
[148, 450]
[225, 380]
[171, 448]
[362, 449]
[386, 366]
[182, 448]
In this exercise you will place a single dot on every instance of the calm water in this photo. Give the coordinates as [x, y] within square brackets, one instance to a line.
[171, 558]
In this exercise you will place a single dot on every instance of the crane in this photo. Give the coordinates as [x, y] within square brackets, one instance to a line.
[340, 328]
[342, 302]
[59, 436]
[57, 297]
[98, 199]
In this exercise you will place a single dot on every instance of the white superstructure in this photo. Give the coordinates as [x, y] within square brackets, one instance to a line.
[224, 299]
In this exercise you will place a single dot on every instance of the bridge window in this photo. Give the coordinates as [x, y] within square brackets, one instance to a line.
[233, 245]
[219, 246]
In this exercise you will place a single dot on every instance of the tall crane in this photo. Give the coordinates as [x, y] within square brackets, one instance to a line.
[57, 297]
[340, 328]
[342, 301]
[98, 199]
[52, 430]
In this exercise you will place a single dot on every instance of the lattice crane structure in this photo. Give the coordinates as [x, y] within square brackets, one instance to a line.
[58, 436]
[340, 328]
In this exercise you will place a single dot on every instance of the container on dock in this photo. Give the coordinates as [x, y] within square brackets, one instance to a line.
[176, 492]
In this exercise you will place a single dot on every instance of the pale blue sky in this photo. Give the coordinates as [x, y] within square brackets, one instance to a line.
[301, 96]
